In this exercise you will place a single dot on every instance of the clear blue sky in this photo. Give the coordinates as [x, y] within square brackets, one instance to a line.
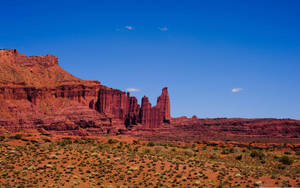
[201, 50]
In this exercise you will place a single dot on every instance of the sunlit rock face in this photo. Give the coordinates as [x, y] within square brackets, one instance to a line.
[156, 116]
[35, 92]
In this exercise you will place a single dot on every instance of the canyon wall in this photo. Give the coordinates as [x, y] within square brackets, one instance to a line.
[48, 93]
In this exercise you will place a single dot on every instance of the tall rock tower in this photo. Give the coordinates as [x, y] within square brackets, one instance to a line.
[156, 116]
[163, 103]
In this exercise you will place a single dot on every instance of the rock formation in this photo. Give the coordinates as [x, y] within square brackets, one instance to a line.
[13, 56]
[239, 129]
[163, 103]
[155, 117]
[193, 129]
[35, 92]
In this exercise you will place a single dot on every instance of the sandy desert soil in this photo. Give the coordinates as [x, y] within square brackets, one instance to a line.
[32, 160]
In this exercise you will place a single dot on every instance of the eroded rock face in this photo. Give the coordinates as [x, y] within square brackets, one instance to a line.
[146, 113]
[193, 129]
[155, 117]
[35, 92]
[240, 129]
[163, 103]
[13, 56]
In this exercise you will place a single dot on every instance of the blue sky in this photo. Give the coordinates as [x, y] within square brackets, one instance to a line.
[201, 50]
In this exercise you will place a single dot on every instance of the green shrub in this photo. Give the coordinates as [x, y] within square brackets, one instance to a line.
[17, 136]
[136, 149]
[281, 167]
[255, 153]
[151, 144]
[227, 151]
[64, 142]
[2, 138]
[286, 160]
[112, 141]
[46, 140]
[239, 157]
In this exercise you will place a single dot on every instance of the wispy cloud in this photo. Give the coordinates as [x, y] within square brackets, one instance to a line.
[163, 28]
[128, 27]
[132, 90]
[236, 90]
[125, 28]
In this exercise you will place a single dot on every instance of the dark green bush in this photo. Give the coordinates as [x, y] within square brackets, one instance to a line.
[281, 166]
[64, 142]
[286, 160]
[151, 144]
[257, 153]
[17, 136]
[112, 141]
[227, 151]
[239, 157]
[2, 138]
[46, 140]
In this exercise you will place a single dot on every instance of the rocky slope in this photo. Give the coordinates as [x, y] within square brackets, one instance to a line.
[35, 92]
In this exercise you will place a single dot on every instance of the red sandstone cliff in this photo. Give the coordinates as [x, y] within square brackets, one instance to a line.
[35, 92]
[155, 117]
[163, 103]
[185, 129]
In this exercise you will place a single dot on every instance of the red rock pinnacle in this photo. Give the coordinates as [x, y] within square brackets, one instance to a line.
[154, 117]
[163, 103]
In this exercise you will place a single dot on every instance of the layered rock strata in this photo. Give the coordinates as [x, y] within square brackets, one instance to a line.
[156, 116]
[37, 92]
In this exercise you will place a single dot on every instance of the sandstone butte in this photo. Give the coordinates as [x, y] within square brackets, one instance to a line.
[37, 94]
